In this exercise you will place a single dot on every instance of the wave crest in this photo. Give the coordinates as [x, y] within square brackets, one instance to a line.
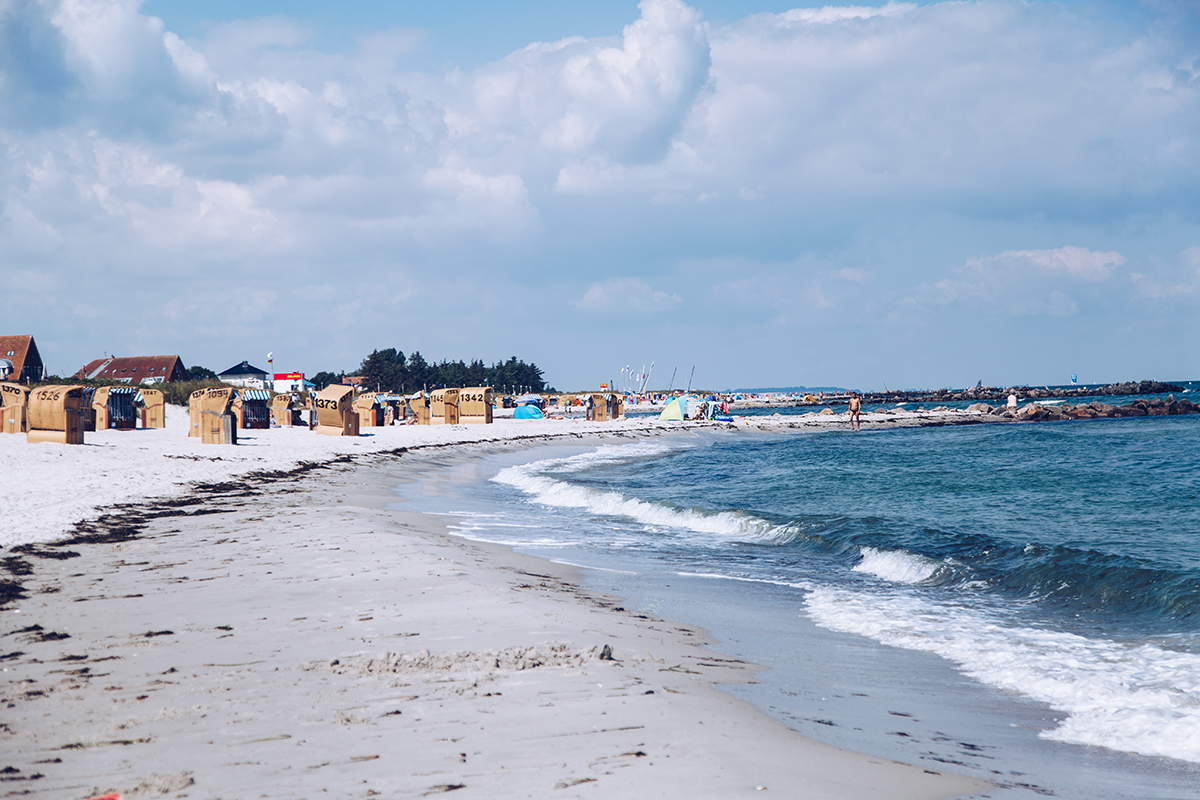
[898, 566]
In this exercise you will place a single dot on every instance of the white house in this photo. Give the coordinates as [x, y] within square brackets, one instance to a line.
[247, 375]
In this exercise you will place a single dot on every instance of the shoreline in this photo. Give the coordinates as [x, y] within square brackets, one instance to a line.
[207, 567]
[52, 487]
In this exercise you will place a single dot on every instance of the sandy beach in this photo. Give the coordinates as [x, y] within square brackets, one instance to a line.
[253, 621]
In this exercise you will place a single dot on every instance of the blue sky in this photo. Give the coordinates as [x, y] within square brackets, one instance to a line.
[905, 194]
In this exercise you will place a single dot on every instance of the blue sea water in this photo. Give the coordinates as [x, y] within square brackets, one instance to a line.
[1047, 574]
[1191, 390]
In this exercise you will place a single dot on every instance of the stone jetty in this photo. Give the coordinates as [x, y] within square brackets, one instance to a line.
[1034, 412]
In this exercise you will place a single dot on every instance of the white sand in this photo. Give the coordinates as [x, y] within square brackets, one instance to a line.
[47, 487]
[295, 640]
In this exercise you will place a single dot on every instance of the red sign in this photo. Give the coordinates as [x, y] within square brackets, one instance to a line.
[289, 376]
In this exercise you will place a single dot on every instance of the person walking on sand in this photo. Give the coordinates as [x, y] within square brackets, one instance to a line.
[855, 410]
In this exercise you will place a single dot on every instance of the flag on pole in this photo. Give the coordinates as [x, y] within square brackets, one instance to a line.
[270, 358]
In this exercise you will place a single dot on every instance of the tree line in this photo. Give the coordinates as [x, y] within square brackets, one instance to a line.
[391, 371]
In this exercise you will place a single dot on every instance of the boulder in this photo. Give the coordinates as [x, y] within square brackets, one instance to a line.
[1031, 412]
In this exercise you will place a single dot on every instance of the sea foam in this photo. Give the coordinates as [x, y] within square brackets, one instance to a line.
[534, 479]
[1137, 698]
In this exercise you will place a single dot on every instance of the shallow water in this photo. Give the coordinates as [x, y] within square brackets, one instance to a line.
[1019, 601]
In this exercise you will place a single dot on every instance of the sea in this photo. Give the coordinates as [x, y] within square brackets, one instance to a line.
[1018, 602]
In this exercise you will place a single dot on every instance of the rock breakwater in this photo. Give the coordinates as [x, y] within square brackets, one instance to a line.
[1033, 412]
[986, 393]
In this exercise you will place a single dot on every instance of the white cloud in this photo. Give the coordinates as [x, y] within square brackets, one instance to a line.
[1076, 262]
[129, 152]
[855, 275]
[1177, 281]
[626, 296]
[803, 289]
[620, 101]
[1022, 282]
[829, 14]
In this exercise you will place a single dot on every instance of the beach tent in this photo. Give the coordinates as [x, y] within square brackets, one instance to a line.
[393, 406]
[55, 414]
[285, 411]
[335, 416]
[674, 409]
[528, 412]
[154, 408]
[89, 411]
[213, 411]
[13, 399]
[198, 404]
[605, 407]
[114, 407]
[443, 407]
[378, 409]
[251, 409]
[419, 403]
[531, 399]
[369, 409]
[475, 405]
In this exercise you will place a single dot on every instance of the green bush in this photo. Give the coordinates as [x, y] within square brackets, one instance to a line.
[179, 391]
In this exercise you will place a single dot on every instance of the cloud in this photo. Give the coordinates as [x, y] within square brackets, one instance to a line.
[821, 109]
[1021, 282]
[1177, 281]
[619, 101]
[875, 141]
[830, 14]
[804, 289]
[1076, 262]
[626, 296]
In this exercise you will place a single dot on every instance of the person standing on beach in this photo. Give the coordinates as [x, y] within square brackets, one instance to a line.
[855, 410]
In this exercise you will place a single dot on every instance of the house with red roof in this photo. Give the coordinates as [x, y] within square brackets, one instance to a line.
[20, 360]
[143, 370]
